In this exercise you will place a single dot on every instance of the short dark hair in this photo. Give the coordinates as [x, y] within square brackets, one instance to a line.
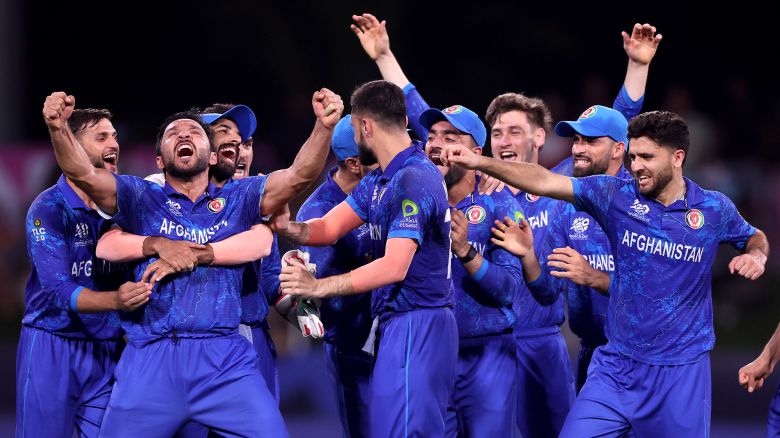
[86, 118]
[381, 100]
[534, 108]
[666, 128]
[191, 115]
[218, 108]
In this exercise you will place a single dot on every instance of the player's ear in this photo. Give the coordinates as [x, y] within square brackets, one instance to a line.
[160, 163]
[212, 158]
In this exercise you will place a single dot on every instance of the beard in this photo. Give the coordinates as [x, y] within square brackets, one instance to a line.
[172, 169]
[366, 156]
[660, 181]
[593, 168]
[454, 175]
[224, 169]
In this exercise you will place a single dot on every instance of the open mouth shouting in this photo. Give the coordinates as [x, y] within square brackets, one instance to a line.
[508, 156]
[435, 155]
[228, 153]
[184, 149]
[110, 159]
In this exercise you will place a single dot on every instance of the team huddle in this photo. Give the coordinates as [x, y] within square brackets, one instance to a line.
[437, 277]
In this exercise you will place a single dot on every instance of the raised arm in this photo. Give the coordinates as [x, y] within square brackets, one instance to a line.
[98, 184]
[285, 184]
[376, 42]
[640, 47]
[531, 178]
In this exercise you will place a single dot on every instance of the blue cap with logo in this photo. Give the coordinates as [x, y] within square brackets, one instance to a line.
[241, 114]
[464, 119]
[596, 121]
[343, 141]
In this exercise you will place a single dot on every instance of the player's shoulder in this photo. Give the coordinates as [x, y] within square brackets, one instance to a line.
[50, 199]
[418, 169]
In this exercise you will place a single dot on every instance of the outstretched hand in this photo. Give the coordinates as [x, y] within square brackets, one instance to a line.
[372, 35]
[641, 45]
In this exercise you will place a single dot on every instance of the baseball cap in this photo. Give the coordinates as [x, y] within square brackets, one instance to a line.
[596, 121]
[461, 117]
[343, 141]
[241, 114]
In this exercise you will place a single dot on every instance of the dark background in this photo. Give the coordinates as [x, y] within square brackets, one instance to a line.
[146, 60]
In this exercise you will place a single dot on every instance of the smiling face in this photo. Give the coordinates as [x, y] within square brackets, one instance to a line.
[228, 140]
[591, 155]
[185, 150]
[653, 165]
[100, 143]
[514, 138]
[440, 135]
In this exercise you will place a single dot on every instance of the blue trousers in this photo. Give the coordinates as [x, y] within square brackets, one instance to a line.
[623, 397]
[545, 382]
[62, 384]
[350, 372]
[211, 381]
[773, 421]
[414, 373]
[483, 403]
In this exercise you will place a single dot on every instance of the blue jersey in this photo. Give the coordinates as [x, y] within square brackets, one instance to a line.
[587, 306]
[62, 233]
[660, 309]
[260, 286]
[347, 319]
[207, 301]
[409, 200]
[483, 301]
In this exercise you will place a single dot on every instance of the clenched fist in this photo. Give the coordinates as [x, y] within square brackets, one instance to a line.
[327, 106]
[57, 109]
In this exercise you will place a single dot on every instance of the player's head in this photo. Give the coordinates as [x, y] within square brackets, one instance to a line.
[450, 126]
[233, 126]
[658, 144]
[378, 108]
[185, 145]
[518, 127]
[94, 130]
[346, 150]
[599, 140]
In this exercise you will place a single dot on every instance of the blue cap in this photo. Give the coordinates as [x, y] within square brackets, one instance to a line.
[241, 114]
[343, 141]
[596, 121]
[461, 117]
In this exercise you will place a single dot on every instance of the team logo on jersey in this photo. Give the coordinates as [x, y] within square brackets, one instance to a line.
[476, 214]
[639, 210]
[454, 109]
[694, 218]
[82, 230]
[579, 226]
[216, 205]
[409, 208]
[37, 222]
[174, 207]
[590, 112]
[519, 216]
[531, 198]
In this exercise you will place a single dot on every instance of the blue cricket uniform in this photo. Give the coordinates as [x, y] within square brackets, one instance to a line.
[413, 375]
[587, 306]
[185, 360]
[347, 320]
[546, 388]
[773, 420]
[65, 360]
[483, 403]
[653, 376]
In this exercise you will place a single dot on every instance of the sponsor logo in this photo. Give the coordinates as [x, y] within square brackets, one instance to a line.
[174, 207]
[519, 216]
[476, 214]
[579, 226]
[82, 235]
[409, 208]
[694, 218]
[590, 112]
[531, 198]
[216, 205]
[455, 109]
[639, 210]
[37, 222]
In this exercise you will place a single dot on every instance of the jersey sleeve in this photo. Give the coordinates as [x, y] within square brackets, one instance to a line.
[360, 198]
[48, 249]
[629, 108]
[270, 268]
[594, 194]
[546, 288]
[415, 106]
